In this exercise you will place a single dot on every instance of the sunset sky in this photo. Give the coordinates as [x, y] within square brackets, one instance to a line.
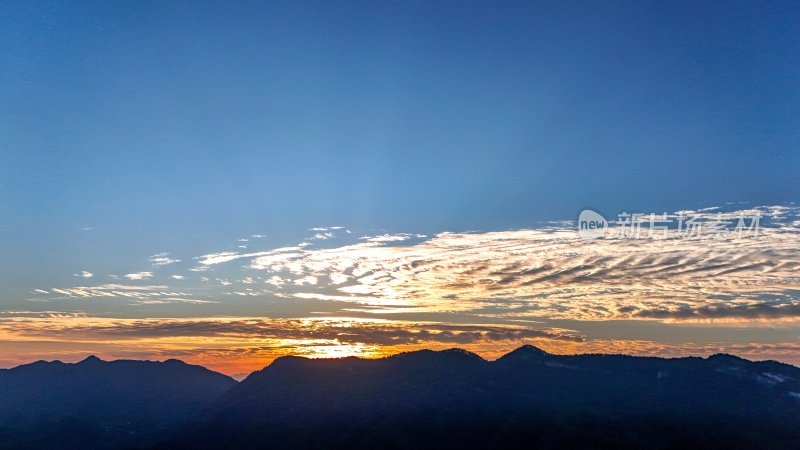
[229, 183]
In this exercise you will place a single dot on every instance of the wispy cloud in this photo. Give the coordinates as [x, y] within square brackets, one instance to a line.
[228, 256]
[391, 237]
[139, 276]
[169, 300]
[112, 290]
[162, 259]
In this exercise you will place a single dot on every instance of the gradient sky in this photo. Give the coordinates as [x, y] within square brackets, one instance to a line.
[186, 141]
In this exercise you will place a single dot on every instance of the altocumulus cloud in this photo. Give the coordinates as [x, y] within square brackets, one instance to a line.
[550, 272]
[545, 272]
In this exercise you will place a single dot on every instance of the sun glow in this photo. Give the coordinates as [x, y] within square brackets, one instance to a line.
[336, 349]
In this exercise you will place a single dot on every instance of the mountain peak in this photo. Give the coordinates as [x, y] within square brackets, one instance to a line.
[451, 354]
[525, 353]
[460, 352]
[531, 349]
[175, 362]
[91, 359]
[286, 361]
[725, 357]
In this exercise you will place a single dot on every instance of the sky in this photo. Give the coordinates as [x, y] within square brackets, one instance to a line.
[229, 182]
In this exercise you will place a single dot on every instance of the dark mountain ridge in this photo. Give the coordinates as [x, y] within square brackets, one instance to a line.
[525, 399]
[102, 404]
[425, 399]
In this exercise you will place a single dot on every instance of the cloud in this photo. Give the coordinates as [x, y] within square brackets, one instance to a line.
[139, 276]
[306, 280]
[44, 314]
[275, 281]
[550, 272]
[224, 257]
[84, 274]
[113, 290]
[345, 330]
[162, 259]
[171, 300]
[217, 258]
[389, 237]
[546, 273]
[722, 311]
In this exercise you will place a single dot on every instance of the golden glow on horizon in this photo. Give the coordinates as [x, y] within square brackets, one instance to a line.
[241, 345]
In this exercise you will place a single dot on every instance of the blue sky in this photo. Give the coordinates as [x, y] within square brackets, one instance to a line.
[132, 128]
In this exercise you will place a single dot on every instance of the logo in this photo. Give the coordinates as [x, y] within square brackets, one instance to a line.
[680, 225]
[591, 225]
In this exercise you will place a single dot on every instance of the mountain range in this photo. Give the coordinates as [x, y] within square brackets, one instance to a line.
[424, 399]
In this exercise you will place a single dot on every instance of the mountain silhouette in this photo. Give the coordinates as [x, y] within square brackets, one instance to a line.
[99, 404]
[423, 399]
[525, 399]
